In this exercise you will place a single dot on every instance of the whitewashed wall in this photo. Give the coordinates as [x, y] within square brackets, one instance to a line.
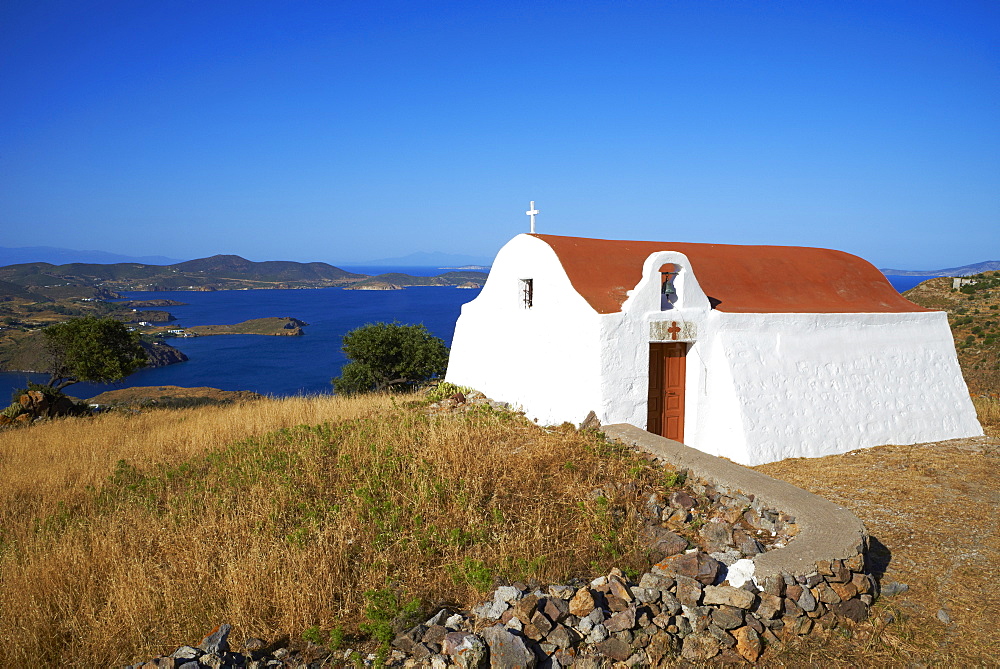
[546, 359]
[816, 384]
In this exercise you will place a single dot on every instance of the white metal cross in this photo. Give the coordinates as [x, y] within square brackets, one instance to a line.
[532, 212]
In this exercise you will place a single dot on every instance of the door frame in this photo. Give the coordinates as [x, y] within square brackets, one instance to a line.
[666, 359]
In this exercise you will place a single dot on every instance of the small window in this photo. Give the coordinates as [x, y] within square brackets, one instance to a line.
[528, 292]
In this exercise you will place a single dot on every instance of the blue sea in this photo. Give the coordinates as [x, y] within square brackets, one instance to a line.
[277, 365]
[288, 365]
[904, 283]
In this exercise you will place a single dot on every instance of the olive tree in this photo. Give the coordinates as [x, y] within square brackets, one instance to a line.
[389, 357]
[93, 349]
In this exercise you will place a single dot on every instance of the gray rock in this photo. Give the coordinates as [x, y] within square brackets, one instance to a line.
[616, 649]
[893, 588]
[217, 641]
[624, 620]
[564, 592]
[682, 500]
[943, 616]
[728, 558]
[662, 542]
[542, 623]
[434, 634]
[683, 626]
[467, 651]
[556, 609]
[700, 647]
[806, 600]
[407, 641]
[697, 565]
[728, 595]
[698, 616]
[688, 591]
[561, 637]
[210, 661]
[254, 645]
[507, 593]
[438, 618]
[669, 604]
[186, 653]
[485, 610]
[725, 639]
[727, 617]
[507, 651]
[656, 582]
[853, 609]
[717, 533]
[646, 595]
[598, 634]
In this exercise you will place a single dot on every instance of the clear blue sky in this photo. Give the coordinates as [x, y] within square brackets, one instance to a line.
[344, 131]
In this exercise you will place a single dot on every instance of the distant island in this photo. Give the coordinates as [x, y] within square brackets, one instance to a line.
[283, 326]
[36, 294]
[964, 270]
[44, 281]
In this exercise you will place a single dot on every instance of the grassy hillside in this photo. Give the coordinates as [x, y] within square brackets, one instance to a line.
[125, 535]
[974, 317]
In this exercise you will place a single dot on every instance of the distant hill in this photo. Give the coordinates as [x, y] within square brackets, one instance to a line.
[58, 256]
[964, 270]
[221, 272]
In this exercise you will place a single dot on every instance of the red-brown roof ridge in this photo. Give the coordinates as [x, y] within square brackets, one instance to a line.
[736, 279]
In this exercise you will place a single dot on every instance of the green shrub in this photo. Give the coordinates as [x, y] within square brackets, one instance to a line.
[13, 411]
[390, 357]
[446, 389]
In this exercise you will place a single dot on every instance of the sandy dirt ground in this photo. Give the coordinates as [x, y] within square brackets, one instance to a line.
[931, 512]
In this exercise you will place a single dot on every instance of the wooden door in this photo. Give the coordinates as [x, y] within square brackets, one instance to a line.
[666, 390]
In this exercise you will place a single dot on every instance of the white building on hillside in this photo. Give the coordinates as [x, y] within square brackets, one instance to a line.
[755, 353]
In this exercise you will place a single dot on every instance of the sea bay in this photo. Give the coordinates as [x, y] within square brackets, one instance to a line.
[275, 365]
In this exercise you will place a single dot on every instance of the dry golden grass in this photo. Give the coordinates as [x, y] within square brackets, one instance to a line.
[125, 536]
[988, 411]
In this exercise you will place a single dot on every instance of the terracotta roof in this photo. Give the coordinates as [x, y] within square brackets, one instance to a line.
[736, 279]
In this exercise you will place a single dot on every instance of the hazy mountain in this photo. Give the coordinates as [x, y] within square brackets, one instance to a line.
[429, 260]
[58, 256]
[964, 270]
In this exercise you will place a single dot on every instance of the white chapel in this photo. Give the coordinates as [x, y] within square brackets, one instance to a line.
[754, 353]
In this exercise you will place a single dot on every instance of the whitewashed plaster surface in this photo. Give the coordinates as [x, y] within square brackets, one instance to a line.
[759, 387]
[545, 359]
